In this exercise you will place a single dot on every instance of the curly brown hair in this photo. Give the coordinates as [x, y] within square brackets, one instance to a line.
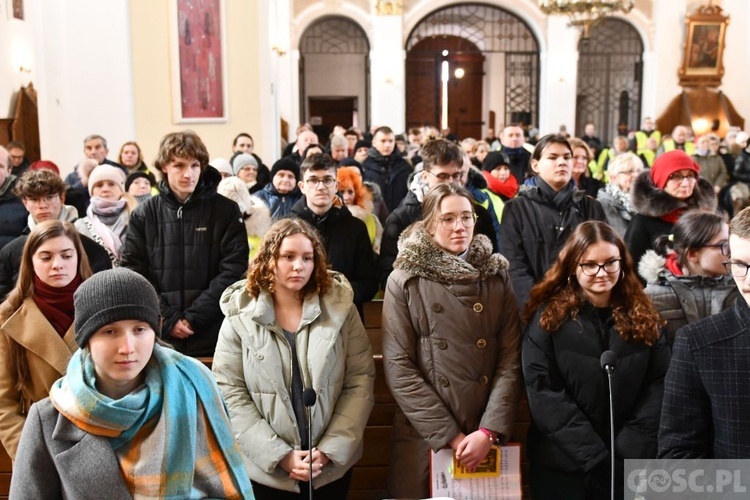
[263, 266]
[559, 294]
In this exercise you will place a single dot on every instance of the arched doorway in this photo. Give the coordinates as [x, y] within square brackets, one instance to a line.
[610, 66]
[334, 75]
[499, 56]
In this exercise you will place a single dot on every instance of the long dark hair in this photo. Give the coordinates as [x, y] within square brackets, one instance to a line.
[560, 297]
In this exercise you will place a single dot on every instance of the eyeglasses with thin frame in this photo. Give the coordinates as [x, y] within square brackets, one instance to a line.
[448, 222]
[736, 269]
[50, 198]
[724, 247]
[443, 177]
[678, 177]
[592, 268]
[314, 182]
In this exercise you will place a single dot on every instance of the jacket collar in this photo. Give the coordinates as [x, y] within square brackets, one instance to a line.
[30, 329]
[88, 449]
[418, 254]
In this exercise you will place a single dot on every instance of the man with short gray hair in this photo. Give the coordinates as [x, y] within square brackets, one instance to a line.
[95, 147]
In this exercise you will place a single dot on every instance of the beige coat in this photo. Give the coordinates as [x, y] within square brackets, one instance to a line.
[47, 355]
[253, 367]
[451, 351]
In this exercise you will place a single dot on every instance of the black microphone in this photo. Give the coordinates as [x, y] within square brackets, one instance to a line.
[309, 396]
[608, 360]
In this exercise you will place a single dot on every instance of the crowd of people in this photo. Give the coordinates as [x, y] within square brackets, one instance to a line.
[505, 264]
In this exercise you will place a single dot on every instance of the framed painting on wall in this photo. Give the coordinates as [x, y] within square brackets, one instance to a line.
[702, 64]
[17, 8]
[199, 79]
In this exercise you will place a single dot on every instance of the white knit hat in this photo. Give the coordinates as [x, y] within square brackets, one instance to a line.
[106, 172]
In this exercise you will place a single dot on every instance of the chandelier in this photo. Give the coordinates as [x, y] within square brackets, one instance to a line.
[584, 13]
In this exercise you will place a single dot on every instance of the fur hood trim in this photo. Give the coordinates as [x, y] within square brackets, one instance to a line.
[418, 254]
[651, 266]
[650, 201]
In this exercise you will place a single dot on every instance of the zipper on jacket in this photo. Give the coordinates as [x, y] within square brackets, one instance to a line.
[182, 258]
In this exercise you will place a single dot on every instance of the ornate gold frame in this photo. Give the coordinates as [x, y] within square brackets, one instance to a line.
[702, 63]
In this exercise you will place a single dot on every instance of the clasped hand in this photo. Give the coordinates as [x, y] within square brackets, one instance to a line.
[472, 449]
[298, 463]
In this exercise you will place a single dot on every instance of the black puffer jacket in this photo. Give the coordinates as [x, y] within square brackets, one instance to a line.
[534, 230]
[569, 398]
[390, 173]
[191, 253]
[651, 204]
[13, 214]
[347, 246]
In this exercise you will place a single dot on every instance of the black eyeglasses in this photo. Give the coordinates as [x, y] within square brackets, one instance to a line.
[724, 247]
[592, 268]
[736, 269]
[442, 177]
[314, 182]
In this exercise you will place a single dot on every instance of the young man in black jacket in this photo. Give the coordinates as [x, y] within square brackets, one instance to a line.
[345, 237]
[189, 242]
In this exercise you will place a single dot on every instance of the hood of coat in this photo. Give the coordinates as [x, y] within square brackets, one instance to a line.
[260, 218]
[651, 266]
[207, 184]
[336, 303]
[418, 255]
[648, 200]
[475, 179]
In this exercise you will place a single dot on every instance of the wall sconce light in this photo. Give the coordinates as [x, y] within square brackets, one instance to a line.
[24, 69]
[279, 51]
[459, 73]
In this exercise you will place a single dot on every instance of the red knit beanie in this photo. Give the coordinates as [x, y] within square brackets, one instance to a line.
[669, 163]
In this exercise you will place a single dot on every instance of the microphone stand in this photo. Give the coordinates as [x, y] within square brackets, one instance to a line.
[609, 369]
[310, 447]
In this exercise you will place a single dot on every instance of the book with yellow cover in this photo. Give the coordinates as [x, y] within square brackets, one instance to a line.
[489, 467]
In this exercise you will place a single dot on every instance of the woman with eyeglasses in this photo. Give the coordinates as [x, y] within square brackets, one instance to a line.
[615, 197]
[661, 195]
[590, 301]
[685, 275]
[451, 340]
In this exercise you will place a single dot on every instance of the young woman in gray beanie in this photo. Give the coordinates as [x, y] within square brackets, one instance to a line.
[36, 323]
[131, 416]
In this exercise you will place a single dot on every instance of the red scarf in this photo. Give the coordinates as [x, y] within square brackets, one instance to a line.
[672, 216]
[56, 304]
[673, 266]
[509, 188]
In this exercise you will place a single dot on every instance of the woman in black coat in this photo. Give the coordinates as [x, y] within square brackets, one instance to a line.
[590, 301]
[661, 195]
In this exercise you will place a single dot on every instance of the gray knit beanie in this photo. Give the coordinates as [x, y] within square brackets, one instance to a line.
[114, 295]
[242, 161]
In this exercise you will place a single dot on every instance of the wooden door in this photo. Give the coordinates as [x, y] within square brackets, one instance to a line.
[423, 85]
[327, 112]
